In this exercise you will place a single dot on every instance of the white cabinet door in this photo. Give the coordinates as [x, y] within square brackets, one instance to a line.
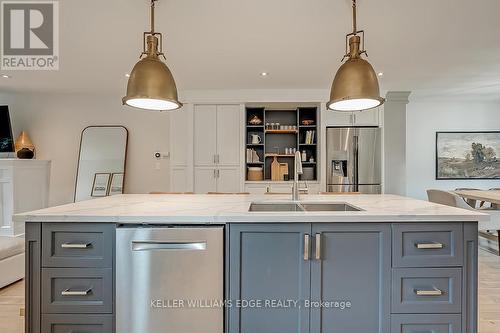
[228, 134]
[179, 179]
[228, 180]
[367, 118]
[179, 131]
[205, 179]
[205, 134]
[337, 118]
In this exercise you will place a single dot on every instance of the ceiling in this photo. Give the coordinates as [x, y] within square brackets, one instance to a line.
[432, 48]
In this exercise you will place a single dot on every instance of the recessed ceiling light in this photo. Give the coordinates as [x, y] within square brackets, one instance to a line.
[264, 74]
[5, 76]
[127, 75]
[380, 73]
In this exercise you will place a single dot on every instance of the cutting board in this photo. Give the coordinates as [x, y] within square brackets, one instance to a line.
[275, 170]
[283, 170]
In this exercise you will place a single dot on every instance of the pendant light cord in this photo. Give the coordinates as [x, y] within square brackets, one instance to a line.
[153, 16]
[354, 27]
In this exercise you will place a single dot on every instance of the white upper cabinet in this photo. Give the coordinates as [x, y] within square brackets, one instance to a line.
[360, 118]
[228, 135]
[205, 134]
[367, 118]
[179, 137]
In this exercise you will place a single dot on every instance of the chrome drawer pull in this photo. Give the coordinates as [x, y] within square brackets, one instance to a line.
[434, 292]
[306, 246]
[68, 292]
[75, 245]
[318, 247]
[429, 245]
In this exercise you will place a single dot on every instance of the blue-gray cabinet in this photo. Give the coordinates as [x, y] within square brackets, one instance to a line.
[266, 262]
[338, 273]
[351, 263]
[353, 277]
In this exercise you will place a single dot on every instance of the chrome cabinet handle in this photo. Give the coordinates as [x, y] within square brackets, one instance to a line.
[215, 158]
[318, 247]
[150, 246]
[429, 245]
[218, 158]
[218, 173]
[69, 292]
[75, 245]
[307, 245]
[434, 292]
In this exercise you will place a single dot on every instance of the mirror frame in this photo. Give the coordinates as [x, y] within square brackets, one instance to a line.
[80, 152]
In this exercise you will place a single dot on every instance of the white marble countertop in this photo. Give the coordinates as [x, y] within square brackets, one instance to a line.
[220, 209]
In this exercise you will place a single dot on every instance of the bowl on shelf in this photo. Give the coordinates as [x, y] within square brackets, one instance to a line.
[307, 122]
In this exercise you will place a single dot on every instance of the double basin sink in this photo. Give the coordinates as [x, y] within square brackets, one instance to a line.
[302, 207]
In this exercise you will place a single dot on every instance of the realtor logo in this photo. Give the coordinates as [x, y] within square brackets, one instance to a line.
[30, 35]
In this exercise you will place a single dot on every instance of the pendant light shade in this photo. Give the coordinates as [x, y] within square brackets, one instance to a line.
[151, 85]
[355, 86]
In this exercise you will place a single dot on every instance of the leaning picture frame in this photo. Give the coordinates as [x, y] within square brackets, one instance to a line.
[100, 186]
[116, 184]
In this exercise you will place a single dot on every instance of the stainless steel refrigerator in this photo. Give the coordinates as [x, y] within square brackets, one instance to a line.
[354, 159]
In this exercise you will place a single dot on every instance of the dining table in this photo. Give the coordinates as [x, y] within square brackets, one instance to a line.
[484, 197]
[491, 196]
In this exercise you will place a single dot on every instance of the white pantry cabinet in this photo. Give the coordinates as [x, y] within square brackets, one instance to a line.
[216, 135]
[217, 148]
[206, 148]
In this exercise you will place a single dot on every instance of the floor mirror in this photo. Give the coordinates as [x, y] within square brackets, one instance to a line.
[101, 162]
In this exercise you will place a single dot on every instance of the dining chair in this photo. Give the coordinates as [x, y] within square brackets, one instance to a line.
[447, 198]
[471, 202]
[451, 199]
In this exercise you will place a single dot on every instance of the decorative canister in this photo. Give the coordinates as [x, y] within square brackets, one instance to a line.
[255, 173]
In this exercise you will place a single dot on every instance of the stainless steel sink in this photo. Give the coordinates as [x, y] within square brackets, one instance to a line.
[329, 207]
[275, 207]
[302, 206]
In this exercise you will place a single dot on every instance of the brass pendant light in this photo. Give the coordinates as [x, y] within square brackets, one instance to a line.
[355, 87]
[151, 85]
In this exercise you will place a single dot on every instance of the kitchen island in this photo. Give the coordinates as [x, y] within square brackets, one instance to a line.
[353, 263]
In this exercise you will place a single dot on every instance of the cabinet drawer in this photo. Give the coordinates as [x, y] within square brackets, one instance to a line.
[77, 245]
[426, 290]
[427, 245]
[426, 323]
[76, 290]
[60, 323]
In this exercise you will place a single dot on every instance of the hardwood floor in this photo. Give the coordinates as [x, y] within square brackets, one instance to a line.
[11, 303]
[12, 299]
[489, 292]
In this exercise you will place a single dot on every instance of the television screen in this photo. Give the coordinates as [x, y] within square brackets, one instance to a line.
[6, 139]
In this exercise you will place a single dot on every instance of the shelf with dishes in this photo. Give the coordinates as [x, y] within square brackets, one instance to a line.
[274, 134]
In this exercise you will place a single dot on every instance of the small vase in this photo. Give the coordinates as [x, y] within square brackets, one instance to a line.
[24, 147]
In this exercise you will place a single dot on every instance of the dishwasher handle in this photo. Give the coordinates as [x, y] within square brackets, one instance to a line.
[154, 245]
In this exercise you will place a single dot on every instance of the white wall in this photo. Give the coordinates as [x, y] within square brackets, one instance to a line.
[423, 120]
[54, 123]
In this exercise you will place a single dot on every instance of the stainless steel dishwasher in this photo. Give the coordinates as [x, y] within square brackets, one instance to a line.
[169, 279]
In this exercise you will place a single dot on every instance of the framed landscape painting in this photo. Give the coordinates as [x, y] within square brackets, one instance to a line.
[468, 155]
